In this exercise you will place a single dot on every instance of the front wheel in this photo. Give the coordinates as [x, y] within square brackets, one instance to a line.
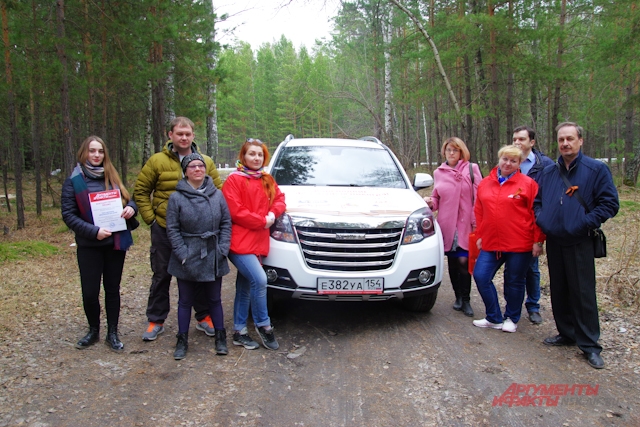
[273, 303]
[421, 303]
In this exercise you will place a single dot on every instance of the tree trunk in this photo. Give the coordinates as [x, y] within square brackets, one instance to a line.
[86, 45]
[158, 101]
[158, 116]
[494, 143]
[36, 115]
[169, 110]
[36, 143]
[482, 81]
[468, 104]
[146, 147]
[509, 107]
[67, 138]
[212, 122]
[436, 55]
[556, 95]
[212, 92]
[632, 157]
[427, 158]
[13, 125]
[388, 108]
[105, 90]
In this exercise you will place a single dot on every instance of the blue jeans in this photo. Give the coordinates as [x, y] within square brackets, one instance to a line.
[251, 290]
[533, 287]
[515, 271]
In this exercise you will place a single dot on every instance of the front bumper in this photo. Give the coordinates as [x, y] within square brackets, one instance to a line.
[288, 273]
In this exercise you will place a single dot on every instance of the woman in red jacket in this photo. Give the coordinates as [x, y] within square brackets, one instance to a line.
[507, 234]
[254, 201]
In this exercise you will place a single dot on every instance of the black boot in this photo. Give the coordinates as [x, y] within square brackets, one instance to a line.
[112, 339]
[466, 309]
[181, 346]
[221, 342]
[90, 339]
[452, 265]
[464, 290]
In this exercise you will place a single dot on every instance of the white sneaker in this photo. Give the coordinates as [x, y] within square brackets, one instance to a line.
[509, 326]
[484, 323]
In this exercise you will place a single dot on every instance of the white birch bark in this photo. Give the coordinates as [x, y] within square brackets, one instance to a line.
[427, 157]
[388, 106]
[146, 148]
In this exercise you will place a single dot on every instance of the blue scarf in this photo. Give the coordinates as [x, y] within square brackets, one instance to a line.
[122, 240]
[503, 179]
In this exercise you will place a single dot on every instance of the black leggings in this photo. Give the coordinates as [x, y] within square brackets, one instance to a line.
[189, 291]
[96, 262]
[460, 277]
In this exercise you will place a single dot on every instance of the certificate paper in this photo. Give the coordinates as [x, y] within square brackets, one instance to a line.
[106, 208]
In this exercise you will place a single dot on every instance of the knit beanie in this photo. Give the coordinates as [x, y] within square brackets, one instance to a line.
[190, 158]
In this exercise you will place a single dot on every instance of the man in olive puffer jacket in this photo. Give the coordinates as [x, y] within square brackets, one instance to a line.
[156, 182]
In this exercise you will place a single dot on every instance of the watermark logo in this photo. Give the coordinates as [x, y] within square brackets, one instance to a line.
[542, 394]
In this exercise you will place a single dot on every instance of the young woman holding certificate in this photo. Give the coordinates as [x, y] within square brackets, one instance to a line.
[100, 251]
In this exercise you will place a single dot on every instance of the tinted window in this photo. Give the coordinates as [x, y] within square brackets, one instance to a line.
[337, 166]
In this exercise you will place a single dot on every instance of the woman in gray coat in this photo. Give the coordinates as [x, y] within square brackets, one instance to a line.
[199, 229]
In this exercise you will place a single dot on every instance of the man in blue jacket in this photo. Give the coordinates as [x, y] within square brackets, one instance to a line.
[570, 254]
[533, 164]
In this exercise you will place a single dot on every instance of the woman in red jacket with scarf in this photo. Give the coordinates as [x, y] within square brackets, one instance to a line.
[254, 201]
[507, 234]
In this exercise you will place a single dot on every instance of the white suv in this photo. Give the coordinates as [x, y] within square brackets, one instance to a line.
[355, 229]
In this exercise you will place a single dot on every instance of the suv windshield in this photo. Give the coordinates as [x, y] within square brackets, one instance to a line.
[337, 166]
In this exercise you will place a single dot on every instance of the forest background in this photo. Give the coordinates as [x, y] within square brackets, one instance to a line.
[410, 73]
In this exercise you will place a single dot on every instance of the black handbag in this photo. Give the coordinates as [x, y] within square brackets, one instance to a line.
[598, 238]
[599, 243]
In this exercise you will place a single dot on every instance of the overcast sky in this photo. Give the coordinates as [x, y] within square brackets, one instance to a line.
[264, 21]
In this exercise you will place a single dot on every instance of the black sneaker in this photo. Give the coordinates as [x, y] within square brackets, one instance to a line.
[268, 339]
[242, 338]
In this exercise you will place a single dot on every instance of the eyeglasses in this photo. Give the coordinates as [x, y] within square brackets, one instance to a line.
[254, 140]
[194, 167]
[452, 150]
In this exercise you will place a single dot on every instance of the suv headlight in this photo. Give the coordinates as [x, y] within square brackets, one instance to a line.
[282, 229]
[419, 226]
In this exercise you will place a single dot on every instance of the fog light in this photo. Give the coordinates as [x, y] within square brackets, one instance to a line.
[272, 275]
[424, 277]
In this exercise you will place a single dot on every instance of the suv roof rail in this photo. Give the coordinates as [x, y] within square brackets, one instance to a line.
[372, 139]
[288, 138]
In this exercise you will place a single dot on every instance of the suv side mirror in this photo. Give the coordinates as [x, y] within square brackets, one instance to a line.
[422, 180]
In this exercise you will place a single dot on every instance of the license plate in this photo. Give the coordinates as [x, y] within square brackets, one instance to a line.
[374, 285]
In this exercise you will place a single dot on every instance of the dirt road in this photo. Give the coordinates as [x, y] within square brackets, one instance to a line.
[342, 364]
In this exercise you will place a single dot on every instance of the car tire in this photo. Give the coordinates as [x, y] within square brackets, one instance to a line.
[421, 303]
[273, 303]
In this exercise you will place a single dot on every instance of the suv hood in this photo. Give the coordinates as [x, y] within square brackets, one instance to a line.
[378, 207]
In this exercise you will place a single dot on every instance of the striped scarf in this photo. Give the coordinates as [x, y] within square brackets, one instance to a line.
[245, 171]
[122, 240]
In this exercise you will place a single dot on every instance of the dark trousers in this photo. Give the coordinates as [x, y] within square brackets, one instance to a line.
[572, 276]
[158, 305]
[96, 263]
[460, 277]
[187, 297]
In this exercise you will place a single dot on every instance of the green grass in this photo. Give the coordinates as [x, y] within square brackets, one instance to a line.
[61, 229]
[629, 204]
[22, 250]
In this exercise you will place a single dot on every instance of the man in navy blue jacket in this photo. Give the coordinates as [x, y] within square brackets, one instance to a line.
[533, 164]
[570, 252]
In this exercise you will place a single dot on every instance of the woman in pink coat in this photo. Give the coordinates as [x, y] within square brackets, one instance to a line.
[453, 196]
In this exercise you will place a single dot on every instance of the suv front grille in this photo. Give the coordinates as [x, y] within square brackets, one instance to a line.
[349, 249]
